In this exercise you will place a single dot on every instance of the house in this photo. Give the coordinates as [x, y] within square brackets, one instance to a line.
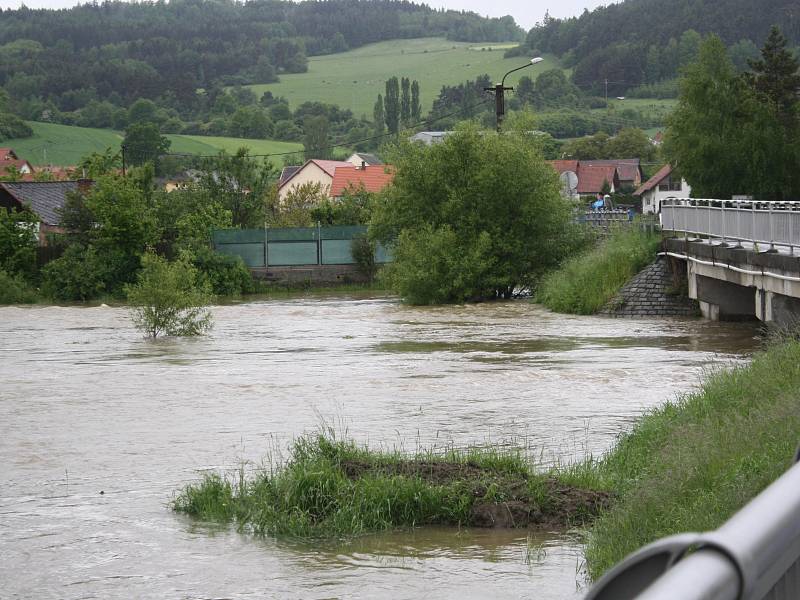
[629, 170]
[592, 180]
[367, 178]
[312, 171]
[591, 177]
[287, 172]
[667, 183]
[9, 159]
[45, 198]
[360, 159]
[430, 137]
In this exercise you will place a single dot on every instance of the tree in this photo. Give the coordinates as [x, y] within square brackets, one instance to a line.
[378, 124]
[168, 298]
[477, 216]
[776, 77]
[315, 140]
[143, 143]
[416, 106]
[391, 105]
[731, 135]
[18, 242]
[405, 101]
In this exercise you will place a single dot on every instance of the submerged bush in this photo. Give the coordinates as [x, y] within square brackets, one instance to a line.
[78, 274]
[168, 299]
[225, 275]
[585, 283]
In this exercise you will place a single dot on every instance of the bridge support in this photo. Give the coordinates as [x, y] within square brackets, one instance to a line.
[720, 299]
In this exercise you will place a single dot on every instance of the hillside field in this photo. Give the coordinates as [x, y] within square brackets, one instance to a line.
[353, 79]
[66, 145]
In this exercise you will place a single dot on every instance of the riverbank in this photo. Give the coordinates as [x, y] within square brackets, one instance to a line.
[584, 284]
[690, 464]
[333, 488]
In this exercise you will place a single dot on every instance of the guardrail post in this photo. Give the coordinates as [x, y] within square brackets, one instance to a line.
[771, 230]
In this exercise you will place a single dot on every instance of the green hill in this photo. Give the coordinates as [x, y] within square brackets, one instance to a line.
[353, 79]
[66, 145]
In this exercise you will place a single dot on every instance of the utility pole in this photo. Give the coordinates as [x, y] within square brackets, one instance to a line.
[606, 82]
[499, 90]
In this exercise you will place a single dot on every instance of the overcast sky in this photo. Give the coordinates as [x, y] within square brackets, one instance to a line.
[525, 12]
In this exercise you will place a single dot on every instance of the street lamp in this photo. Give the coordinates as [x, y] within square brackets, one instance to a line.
[499, 91]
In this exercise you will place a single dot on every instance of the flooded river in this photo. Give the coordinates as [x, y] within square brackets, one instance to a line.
[99, 426]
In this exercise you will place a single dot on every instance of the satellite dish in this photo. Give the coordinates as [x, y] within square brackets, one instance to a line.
[569, 181]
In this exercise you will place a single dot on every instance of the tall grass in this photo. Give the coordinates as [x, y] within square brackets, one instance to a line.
[335, 488]
[585, 283]
[691, 464]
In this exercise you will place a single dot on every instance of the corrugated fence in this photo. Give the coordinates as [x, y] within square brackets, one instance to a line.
[293, 246]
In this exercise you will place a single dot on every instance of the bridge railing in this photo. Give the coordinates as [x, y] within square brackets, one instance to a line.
[755, 221]
[755, 555]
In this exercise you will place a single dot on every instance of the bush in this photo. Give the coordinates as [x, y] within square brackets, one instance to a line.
[168, 299]
[224, 275]
[15, 290]
[78, 274]
[363, 251]
[584, 284]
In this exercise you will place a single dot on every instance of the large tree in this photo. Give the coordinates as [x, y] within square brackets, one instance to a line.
[477, 216]
[391, 105]
[728, 135]
[143, 143]
[315, 140]
[405, 101]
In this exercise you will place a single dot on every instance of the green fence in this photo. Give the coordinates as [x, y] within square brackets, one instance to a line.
[295, 246]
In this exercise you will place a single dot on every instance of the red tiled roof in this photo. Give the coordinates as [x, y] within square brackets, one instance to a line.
[18, 163]
[7, 154]
[654, 180]
[372, 178]
[564, 165]
[590, 179]
[627, 168]
[328, 166]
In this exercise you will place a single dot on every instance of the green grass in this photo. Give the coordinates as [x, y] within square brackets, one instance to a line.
[585, 283]
[689, 465]
[353, 79]
[332, 488]
[66, 145]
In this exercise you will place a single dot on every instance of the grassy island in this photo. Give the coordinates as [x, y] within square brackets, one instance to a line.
[335, 488]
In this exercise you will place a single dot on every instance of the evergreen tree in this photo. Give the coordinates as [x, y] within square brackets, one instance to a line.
[776, 76]
[405, 101]
[378, 118]
[391, 105]
[416, 107]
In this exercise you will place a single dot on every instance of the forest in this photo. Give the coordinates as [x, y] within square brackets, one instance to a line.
[108, 55]
[640, 42]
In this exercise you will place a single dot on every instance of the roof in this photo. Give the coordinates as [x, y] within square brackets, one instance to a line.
[287, 172]
[7, 154]
[654, 180]
[591, 178]
[564, 165]
[430, 137]
[627, 168]
[328, 166]
[368, 158]
[373, 179]
[18, 163]
[45, 198]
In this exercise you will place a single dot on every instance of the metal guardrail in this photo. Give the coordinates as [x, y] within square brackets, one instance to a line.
[755, 555]
[759, 222]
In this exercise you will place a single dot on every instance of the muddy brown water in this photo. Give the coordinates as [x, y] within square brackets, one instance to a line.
[88, 405]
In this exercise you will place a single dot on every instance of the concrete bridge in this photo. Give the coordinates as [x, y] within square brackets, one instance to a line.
[741, 257]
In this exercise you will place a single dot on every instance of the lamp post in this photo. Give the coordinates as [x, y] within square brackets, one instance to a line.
[499, 90]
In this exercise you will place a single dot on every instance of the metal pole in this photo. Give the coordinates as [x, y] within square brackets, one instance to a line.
[499, 104]
[319, 243]
[771, 230]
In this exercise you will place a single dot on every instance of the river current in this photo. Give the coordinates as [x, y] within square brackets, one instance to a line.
[99, 427]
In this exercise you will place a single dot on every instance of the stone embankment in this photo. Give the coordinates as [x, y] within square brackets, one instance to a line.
[652, 293]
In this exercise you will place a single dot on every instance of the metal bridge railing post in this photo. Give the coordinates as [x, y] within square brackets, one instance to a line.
[771, 230]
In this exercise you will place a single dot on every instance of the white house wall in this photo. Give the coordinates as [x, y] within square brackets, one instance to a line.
[311, 173]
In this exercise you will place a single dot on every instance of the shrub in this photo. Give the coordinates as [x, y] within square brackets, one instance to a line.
[363, 251]
[225, 275]
[78, 274]
[15, 290]
[168, 299]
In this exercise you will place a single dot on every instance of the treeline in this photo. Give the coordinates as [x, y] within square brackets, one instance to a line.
[644, 41]
[117, 52]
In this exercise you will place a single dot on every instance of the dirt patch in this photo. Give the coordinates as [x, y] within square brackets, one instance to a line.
[557, 505]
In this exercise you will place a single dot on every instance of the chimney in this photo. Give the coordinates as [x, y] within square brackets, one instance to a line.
[85, 185]
[363, 165]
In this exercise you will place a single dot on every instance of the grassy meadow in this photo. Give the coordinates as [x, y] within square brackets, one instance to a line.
[66, 145]
[353, 79]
